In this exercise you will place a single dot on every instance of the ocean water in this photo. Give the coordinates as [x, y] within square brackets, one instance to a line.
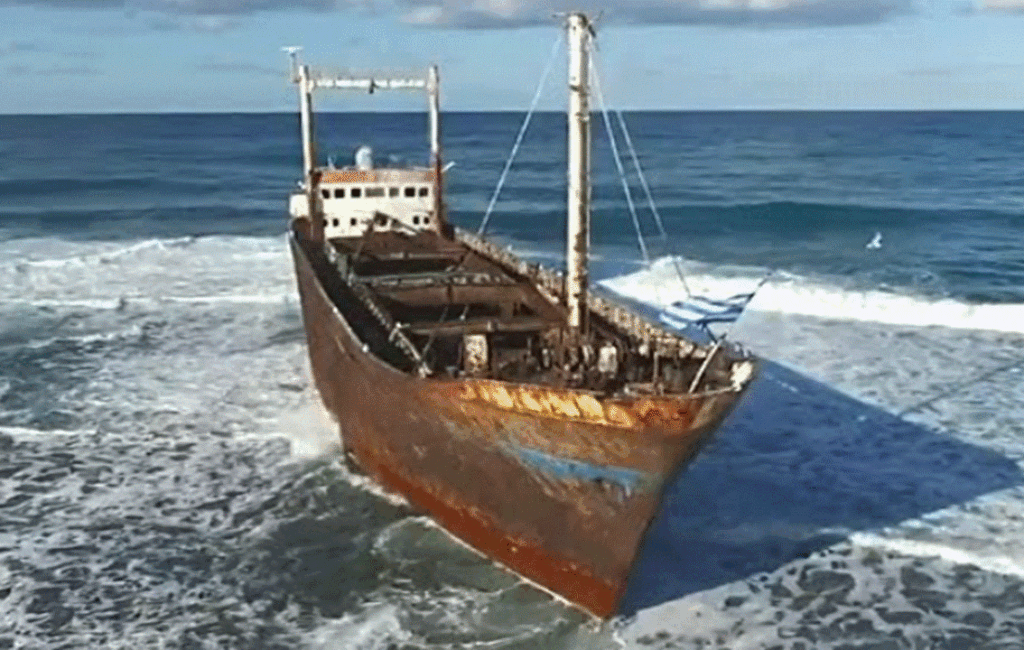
[169, 480]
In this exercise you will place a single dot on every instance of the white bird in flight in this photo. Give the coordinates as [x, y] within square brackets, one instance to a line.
[876, 242]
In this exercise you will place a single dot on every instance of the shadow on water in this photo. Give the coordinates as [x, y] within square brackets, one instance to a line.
[798, 467]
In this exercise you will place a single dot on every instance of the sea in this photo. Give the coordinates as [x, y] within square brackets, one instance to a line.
[169, 479]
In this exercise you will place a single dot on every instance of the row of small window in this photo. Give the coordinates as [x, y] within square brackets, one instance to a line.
[416, 220]
[376, 192]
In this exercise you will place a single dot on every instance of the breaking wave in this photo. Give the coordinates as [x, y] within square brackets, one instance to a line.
[791, 294]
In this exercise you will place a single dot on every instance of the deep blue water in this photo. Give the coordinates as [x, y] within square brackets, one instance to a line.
[800, 192]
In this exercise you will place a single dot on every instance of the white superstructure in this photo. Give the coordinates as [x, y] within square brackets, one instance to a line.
[348, 201]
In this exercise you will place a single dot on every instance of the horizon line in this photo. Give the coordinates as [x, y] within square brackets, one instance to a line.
[516, 111]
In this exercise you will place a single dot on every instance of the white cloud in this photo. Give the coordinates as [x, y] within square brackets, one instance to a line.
[226, 7]
[510, 13]
[1011, 6]
[192, 15]
[425, 15]
[205, 24]
[514, 13]
[188, 7]
[63, 4]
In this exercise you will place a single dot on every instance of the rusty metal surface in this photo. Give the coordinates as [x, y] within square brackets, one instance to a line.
[556, 484]
[377, 176]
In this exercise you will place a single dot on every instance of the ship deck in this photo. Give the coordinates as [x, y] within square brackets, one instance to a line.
[431, 284]
[418, 297]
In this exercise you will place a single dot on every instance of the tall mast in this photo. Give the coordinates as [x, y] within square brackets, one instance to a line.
[309, 151]
[434, 94]
[578, 244]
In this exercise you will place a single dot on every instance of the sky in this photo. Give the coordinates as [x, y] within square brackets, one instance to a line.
[127, 56]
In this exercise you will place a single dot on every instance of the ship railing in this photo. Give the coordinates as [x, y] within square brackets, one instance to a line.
[551, 285]
[439, 278]
[395, 334]
[664, 344]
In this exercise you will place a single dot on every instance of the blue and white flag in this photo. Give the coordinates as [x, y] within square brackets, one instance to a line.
[702, 310]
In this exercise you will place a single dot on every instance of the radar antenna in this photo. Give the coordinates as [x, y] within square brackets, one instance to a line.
[293, 54]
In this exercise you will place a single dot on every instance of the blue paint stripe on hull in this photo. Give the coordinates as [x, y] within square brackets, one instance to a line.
[566, 468]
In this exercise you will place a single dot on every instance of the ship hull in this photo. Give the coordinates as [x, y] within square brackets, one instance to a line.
[556, 484]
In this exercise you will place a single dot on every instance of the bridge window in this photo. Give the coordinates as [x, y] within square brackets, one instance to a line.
[415, 220]
[339, 193]
[424, 191]
[325, 193]
[356, 192]
[374, 192]
[335, 223]
[351, 222]
[392, 192]
[410, 192]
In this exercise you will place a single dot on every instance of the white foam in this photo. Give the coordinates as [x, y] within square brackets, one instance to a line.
[240, 299]
[312, 431]
[365, 483]
[99, 305]
[185, 445]
[32, 432]
[106, 255]
[790, 294]
[376, 626]
[988, 557]
[213, 270]
[95, 337]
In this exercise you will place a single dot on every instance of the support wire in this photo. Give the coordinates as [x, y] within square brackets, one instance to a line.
[650, 202]
[618, 165]
[519, 138]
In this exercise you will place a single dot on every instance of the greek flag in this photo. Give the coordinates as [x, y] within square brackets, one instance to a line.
[701, 311]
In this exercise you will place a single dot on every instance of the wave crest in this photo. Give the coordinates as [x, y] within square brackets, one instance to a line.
[786, 293]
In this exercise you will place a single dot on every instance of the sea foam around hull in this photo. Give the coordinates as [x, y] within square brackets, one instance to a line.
[149, 495]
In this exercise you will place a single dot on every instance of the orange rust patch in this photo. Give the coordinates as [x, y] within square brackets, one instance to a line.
[648, 412]
[590, 407]
[569, 405]
[500, 396]
[618, 416]
[467, 392]
[377, 176]
[530, 402]
[563, 405]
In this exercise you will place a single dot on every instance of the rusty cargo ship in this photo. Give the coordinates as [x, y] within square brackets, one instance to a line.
[532, 419]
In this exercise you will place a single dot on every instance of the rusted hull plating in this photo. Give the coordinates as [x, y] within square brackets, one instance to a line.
[555, 484]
